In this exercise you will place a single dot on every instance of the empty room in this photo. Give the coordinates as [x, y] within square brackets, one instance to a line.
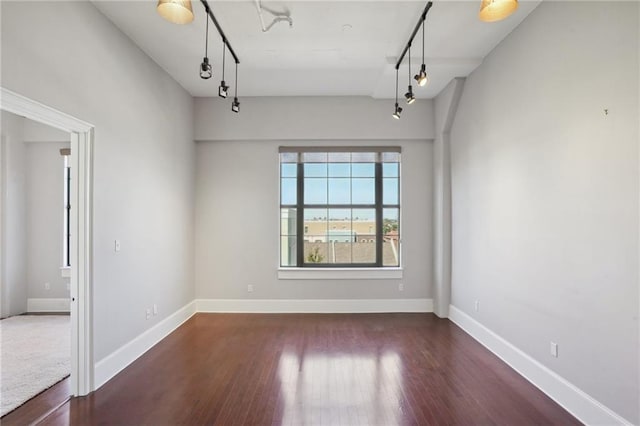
[315, 212]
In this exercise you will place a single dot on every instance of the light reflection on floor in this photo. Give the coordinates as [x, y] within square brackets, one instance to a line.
[341, 389]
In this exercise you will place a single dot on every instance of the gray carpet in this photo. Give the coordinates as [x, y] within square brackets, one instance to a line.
[35, 355]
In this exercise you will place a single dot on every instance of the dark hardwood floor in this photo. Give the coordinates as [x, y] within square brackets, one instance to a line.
[323, 369]
[38, 407]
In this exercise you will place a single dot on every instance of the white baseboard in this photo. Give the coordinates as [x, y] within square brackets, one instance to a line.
[575, 401]
[314, 305]
[49, 305]
[112, 364]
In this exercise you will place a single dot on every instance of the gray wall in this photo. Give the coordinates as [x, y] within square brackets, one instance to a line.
[545, 195]
[237, 210]
[13, 285]
[45, 218]
[144, 155]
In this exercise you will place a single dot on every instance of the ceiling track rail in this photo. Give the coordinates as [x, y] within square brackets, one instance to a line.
[222, 35]
[413, 34]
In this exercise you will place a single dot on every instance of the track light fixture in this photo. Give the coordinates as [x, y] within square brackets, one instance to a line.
[421, 77]
[398, 109]
[206, 71]
[235, 106]
[223, 88]
[180, 12]
[409, 95]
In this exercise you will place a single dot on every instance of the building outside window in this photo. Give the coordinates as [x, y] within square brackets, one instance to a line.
[340, 207]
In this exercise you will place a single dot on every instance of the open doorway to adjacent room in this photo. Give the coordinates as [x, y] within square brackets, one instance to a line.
[46, 269]
[35, 286]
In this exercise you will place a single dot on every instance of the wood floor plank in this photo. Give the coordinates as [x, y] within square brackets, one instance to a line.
[308, 369]
[39, 406]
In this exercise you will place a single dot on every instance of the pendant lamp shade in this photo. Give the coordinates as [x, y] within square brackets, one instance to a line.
[496, 10]
[176, 11]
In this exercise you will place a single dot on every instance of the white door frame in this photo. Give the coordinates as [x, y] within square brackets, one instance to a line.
[82, 366]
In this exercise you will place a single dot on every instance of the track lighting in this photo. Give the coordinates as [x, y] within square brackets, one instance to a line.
[397, 112]
[235, 106]
[496, 10]
[176, 11]
[398, 109]
[206, 71]
[422, 77]
[409, 96]
[223, 88]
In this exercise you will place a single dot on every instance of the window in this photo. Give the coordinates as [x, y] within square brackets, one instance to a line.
[66, 243]
[334, 203]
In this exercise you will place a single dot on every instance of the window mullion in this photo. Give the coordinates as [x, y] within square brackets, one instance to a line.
[300, 214]
[378, 188]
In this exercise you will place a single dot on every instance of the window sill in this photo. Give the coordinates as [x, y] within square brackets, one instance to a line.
[65, 271]
[339, 273]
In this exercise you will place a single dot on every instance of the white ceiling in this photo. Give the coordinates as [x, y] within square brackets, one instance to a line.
[335, 48]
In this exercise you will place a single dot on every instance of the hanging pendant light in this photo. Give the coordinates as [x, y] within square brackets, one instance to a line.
[235, 105]
[176, 11]
[496, 10]
[398, 109]
[223, 89]
[206, 72]
[422, 77]
[409, 95]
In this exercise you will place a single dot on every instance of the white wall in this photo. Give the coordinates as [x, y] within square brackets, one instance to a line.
[13, 284]
[69, 56]
[545, 195]
[45, 220]
[237, 209]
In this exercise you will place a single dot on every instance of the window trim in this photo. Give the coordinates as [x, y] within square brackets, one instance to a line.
[341, 271]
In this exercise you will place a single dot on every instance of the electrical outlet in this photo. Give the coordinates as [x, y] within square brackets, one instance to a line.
[47, 286]
[155, 309]
[477, 305]
[116, 245]
[250, 288]
[554, 349]
[148, 313]
[401, 287]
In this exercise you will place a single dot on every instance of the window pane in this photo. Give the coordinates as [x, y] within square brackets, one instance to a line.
[288, 157]
[339, 157]
[340, 226]
[363, 157]
[315, 251]
[315, 170]
[391, 237]
[339, 170]
[315, 191]
[288, 191]
[390, 169]
[363, 170]
[315, 224]
[390, 191]
[364, 228]
[288, 250]
[391, 157]
[288, 169]
[339, 252]
[288, 221]
[314, 157]
[339, 191]
[363, 191]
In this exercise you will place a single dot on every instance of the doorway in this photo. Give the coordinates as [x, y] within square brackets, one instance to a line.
[81, 242]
